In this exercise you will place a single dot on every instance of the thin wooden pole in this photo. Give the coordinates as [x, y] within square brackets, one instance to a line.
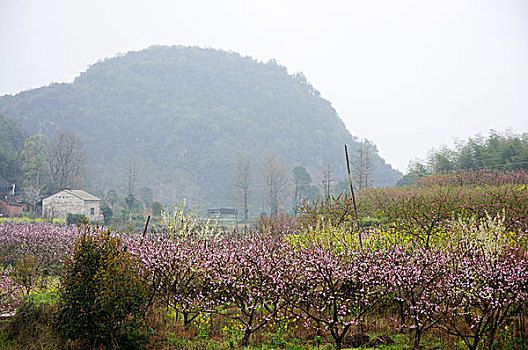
[353, 197]
[146, 225]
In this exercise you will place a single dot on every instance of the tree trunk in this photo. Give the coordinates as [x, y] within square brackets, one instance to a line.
[245, 339]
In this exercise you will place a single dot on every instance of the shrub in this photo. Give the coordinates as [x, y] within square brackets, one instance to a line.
[103, 295]
[25, 273]
[30, 326]
[75, 219]
[107, 214]
[156, 208]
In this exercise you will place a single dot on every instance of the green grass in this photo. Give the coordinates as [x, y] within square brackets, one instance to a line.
[44, 298]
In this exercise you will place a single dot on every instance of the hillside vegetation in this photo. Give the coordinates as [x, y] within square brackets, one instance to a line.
[12, 137]
[176, 118]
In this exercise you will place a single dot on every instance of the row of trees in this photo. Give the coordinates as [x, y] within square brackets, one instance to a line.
[274, 183]
[49, 166]
[501, 151]
[39, 166]
[469, 288]
[128, 212]
[336, 286]
[276, 186]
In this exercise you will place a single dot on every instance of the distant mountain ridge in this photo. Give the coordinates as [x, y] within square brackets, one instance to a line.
[183, 114]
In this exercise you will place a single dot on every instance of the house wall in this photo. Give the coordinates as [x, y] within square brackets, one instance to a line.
[61, 204]
[10, 210]
[96, 205]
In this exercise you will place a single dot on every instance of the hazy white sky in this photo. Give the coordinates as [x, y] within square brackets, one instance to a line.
[408, 75]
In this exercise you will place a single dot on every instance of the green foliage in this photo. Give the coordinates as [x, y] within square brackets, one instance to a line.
[75, 219]
[146, 195]
[112, 198]
[29, 328]
[12, 137]
[49, 297]
[108, 214]
[156, 208]
[10, 166]
[503, 151]
[303, 187]
[132, 203]
[415, 171]
[103, 296]
[33, 165]
[186, 112]
[25, 273]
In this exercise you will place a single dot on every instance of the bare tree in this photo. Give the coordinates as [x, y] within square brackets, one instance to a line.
[327, 180]
[363, 166]
[65, 161]
[242, 181]
[275, 182]
[131, 174]
[34, 167]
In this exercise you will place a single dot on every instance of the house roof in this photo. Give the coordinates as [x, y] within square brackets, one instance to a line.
[83, 195]
[12, 203]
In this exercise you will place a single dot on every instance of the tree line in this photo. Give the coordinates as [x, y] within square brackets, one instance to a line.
[40, 166]
[499, 151]
[274, 189]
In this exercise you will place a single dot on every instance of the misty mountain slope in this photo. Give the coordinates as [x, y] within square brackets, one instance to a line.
[12, 137]
[183, 114]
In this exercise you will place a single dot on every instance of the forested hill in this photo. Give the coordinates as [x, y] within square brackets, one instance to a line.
[12, 137]
[181, 115]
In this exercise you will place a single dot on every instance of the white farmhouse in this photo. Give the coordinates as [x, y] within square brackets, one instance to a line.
[67, 202]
